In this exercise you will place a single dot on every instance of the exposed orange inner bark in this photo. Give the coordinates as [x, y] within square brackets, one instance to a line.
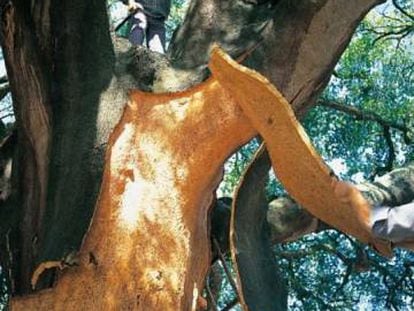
[148, 247]
[296, 163]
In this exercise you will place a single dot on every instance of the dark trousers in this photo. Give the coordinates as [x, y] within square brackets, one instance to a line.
[150, 28]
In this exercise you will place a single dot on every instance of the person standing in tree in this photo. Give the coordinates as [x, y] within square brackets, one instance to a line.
[149, 22]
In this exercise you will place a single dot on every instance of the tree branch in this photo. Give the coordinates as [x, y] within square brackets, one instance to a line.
[4, 79]
[391, 154]
[288, 221]
[364, 115]
[395, 34]
[4, 90]
[225, 267]
[402, 10]
[7, 116]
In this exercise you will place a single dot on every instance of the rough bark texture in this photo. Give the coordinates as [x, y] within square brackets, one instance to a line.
[77, 85]
[234, 25]
[289, 221]
[145, 179]
[29, 77]
[84, 116]
[392, 189]
[299, 44]
[68, 95]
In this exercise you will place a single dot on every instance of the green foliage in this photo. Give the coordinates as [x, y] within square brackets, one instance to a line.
[4, 291]
[374, 76]
[235, 166]
[329, 271]
[333, 272]
[177, 13]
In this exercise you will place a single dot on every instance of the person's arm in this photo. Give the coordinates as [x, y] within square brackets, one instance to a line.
[395, 224]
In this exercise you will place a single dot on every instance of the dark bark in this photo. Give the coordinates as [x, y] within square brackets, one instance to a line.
[61, 71]
[7, 152]
[253, 258]
[83, 62]
[392, 189]
[293, 36]
[288, 221]
[233, 25]
[29, 79]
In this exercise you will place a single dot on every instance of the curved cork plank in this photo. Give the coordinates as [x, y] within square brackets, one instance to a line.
[258, 282]
[295, 161]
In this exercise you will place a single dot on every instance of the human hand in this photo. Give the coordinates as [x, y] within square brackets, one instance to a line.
[351, 196]
[134, 6]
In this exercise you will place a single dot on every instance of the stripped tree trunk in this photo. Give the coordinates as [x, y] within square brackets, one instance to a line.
[148, 247]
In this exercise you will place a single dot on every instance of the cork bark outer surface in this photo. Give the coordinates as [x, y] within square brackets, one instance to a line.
[294, 159]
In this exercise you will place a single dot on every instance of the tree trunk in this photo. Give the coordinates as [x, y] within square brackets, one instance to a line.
[153, 207]
[29, 82]
[64, 70]
[66, 106]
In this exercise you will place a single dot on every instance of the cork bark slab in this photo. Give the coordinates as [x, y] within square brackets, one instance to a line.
[254, 263]
[295, 161]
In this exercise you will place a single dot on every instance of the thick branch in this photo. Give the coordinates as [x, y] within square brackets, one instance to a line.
[86, 93]
[254, 264]
[28, 78]
[4, 79]
[392, 189]
[319, 28]
[4, 90]
[148, 175]
[288, 221]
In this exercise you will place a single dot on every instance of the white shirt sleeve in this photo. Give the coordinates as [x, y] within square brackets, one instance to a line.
[395, 224]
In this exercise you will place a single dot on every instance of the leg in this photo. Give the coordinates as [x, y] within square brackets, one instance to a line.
[139, 26]
[156, 34]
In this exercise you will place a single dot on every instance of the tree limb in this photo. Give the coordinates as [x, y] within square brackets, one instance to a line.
[289, 221]
[364, 115]
[4, 79]
[402, 10]
[4, 90]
